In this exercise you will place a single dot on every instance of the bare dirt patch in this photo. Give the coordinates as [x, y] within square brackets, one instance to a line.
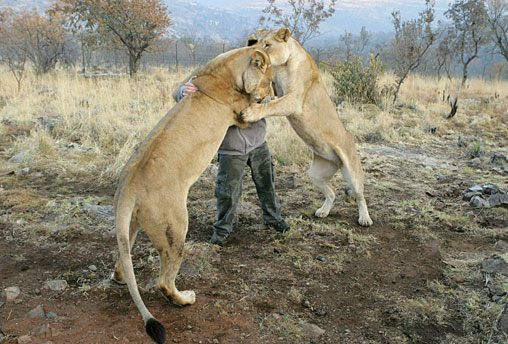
[414, 277]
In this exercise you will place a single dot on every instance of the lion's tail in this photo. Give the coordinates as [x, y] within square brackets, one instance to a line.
[123, 218]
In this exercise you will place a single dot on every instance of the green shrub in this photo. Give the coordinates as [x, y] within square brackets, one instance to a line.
[357, 83]
[475, 150]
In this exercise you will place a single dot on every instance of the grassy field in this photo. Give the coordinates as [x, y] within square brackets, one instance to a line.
[414, 277]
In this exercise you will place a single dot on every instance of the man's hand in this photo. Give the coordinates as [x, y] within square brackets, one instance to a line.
[189, 87]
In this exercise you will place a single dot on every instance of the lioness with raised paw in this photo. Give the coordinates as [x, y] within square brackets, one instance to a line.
[302, 97]
[152, 192]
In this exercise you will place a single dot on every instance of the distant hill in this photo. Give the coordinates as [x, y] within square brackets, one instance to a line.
[231, 20]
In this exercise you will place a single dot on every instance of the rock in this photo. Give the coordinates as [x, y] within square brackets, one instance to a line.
[51, 315]
[56, 285]
[476, 188]
[212, 170]
[502, 324]
[498, 200]
[503, 170]
[17, 158]
[100, 211]
[498, 159]
[37, 312]
[38, 175]
[495, 265]
[24, 339]
[466, 196]
[311, 330]
[496, 290]
[476, 162]
[43, 331]
[478, 202]
[490, 189]
[11, 293]
[321, 259]
[47, 122]
[92, 268]
[22, 172]
[500, 244]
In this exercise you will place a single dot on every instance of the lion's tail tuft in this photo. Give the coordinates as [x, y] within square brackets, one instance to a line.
[155, 330]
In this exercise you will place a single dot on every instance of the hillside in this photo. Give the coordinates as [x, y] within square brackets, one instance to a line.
[230, 20]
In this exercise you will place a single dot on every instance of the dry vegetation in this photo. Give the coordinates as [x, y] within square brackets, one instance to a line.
[414, 277]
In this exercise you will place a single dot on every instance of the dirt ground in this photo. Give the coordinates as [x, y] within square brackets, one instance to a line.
[413, 277]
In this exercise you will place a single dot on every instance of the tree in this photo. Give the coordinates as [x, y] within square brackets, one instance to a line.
[443, 54]
[134, 24]
[354, 45]
[12, 48]
[497, 16]
[412, 40]
[44, 38]
[303, 17]
[34, 37]
[469, 20]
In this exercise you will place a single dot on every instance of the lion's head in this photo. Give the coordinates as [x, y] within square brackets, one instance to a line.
[274, 42]
[257, 78]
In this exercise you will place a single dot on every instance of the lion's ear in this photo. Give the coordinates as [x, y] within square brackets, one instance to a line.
[259, 60]
[283, 35]
[252, 40]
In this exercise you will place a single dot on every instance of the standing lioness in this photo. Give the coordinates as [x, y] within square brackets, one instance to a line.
[153, 187]
[312, 114]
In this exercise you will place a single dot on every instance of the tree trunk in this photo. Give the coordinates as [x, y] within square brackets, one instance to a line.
[134, 60]
[83, 58]
[464, 75]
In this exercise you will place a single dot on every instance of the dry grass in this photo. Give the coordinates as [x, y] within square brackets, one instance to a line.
[105, 118]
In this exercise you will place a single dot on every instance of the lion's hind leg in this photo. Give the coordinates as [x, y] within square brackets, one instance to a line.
[321, 172]
[353, 174]
[169, 241]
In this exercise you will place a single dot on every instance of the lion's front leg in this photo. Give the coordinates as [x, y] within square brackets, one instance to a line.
[253, 113]
[285, 106]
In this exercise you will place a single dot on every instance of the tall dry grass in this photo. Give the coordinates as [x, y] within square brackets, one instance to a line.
[88, 128]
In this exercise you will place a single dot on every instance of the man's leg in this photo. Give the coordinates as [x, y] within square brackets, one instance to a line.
[263, 174]
[228, 189]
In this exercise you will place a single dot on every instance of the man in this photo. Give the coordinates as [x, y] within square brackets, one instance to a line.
[240, 147]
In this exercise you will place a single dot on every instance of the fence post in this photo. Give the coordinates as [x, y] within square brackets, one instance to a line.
[176, 54]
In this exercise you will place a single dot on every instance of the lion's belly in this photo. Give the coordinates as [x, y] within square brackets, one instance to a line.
[281, 81]
[313, 137]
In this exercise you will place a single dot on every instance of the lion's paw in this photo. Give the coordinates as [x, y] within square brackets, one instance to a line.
[187, 297]
[117, 279]
[251, 114]
[322, 212]
[365, 221]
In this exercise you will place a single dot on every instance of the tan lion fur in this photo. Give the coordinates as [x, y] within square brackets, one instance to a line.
[153, 187]
[312, 114]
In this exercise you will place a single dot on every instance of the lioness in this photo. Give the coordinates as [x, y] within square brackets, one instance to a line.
[153, 187]
[309, 109]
